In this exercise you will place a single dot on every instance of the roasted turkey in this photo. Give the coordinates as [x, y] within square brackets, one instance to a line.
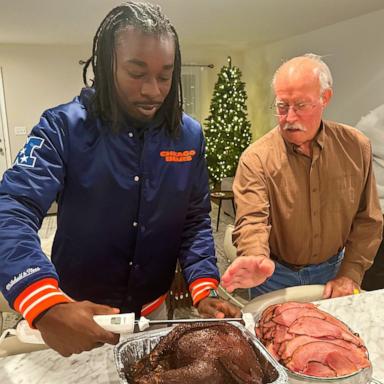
[215, 353]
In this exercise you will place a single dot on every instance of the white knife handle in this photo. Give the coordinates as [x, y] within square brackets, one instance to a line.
[121, 323]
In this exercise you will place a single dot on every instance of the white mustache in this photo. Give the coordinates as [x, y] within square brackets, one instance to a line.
[299, 127]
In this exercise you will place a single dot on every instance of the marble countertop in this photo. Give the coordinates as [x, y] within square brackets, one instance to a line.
[363, 313]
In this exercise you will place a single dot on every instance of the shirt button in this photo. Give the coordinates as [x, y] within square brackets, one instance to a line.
[130, 263]
[135, 224]
[130, 134]
[136, 178]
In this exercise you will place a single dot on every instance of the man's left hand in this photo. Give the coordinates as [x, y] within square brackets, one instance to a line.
[217, 308]
[341, 286]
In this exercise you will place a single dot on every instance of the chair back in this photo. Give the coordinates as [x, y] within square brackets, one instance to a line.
[229, 248]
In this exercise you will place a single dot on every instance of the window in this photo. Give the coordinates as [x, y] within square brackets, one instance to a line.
[190, 81]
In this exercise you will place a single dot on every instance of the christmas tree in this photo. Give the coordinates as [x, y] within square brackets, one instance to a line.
[227, 130]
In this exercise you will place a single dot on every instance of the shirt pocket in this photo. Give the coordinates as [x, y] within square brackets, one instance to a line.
[343, 192]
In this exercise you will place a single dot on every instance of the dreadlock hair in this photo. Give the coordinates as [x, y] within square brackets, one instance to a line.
[147, 18]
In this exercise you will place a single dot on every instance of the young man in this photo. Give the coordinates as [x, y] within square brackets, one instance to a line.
[307, 205]
[128, 171]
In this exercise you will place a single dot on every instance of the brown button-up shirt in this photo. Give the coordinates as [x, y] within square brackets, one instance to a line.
[305, 210]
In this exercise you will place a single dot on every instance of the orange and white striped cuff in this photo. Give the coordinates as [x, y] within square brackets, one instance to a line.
[38, 297]
[150, 307]
[200, 288]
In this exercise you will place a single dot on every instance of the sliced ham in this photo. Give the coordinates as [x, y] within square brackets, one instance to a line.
[341, 364]
[337, 322]
[292, 304]
[269, 333]
[310, 341]
[268, 313]
[288, 316]
[282, 334]
[271, 348]
[288, 347]
[312, 326]
[269, 324]
[320, 351]
[317, 369]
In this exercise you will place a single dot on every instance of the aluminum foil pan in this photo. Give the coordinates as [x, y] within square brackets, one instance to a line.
[375, 381]
[137, 345]
[364, 376]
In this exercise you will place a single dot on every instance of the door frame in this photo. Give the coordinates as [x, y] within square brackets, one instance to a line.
[4, 121]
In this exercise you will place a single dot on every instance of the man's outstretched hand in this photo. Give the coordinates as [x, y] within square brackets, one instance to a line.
[69, 328]
[247, 272]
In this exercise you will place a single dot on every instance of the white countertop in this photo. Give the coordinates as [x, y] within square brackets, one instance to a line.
[363, 313]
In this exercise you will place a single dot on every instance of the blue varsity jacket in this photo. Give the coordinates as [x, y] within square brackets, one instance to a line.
[128, 208]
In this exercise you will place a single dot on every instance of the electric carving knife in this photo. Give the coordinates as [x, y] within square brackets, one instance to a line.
[125, 323]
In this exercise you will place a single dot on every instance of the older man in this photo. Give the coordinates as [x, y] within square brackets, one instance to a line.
[307, 205]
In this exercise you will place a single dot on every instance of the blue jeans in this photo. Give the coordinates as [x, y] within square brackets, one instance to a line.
[284, 277]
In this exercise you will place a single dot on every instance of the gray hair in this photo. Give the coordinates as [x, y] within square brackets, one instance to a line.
[323, 72]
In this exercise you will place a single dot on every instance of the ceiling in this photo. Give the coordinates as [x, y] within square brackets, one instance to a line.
[233, 23]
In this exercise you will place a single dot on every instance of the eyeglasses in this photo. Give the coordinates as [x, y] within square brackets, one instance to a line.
[300, 109]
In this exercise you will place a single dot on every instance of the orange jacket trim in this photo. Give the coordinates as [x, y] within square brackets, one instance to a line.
[200, 288]
[38, 297]
[148, 308]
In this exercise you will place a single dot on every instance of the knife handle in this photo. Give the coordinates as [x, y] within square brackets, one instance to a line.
[122, 323]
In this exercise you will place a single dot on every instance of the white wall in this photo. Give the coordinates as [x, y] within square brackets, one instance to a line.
[37, 77]
[354, 50]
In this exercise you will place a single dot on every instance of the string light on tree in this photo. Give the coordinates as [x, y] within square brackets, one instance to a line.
[227, 130]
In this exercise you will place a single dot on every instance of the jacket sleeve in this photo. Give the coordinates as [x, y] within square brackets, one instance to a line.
[28, 279]
[197, 257]
[366, 230]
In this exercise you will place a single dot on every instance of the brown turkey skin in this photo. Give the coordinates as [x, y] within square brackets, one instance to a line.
[217, 353]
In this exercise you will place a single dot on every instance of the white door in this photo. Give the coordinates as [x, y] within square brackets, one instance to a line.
[5, 157]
